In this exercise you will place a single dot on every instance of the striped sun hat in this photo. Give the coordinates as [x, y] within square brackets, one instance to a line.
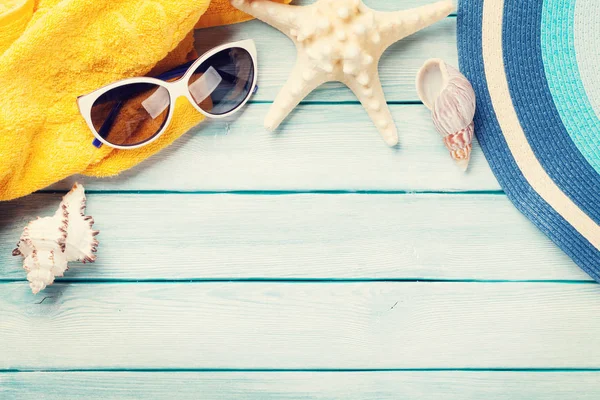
[535, 68]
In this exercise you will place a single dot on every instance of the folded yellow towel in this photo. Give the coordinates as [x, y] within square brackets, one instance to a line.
[223, 13]
[52, 51]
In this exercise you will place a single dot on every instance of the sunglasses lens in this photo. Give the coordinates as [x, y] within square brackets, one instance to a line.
[221, 83]
[131, 114]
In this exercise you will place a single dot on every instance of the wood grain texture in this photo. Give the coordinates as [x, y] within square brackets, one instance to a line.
[300, 325]
[351, 236]
[398, 66]
[327, 144]
[417, 385]
[320, 147]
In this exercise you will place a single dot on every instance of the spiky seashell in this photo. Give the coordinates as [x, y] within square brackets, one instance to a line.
[451, 99]
[48, 244]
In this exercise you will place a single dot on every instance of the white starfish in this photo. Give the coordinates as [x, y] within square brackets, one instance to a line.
[340, 40]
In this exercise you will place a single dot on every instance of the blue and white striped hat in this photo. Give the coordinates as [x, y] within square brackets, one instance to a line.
[535, 68]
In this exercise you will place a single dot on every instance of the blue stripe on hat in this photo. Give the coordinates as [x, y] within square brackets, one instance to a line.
[564, 79]
[498, 154]
[536, 110]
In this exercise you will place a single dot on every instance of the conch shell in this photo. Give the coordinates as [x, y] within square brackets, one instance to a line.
[451, 99]
[49, 243]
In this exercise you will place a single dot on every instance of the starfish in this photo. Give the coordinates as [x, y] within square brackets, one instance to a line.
[340, 40]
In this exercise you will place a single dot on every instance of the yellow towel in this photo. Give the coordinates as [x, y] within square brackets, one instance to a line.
[223, 13]
[52, 51]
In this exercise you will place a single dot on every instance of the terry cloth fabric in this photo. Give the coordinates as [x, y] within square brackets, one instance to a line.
[52, 51]
[223, 13]
[533, 65]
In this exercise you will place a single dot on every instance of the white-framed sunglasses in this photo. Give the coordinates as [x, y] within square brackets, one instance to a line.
[134, 112]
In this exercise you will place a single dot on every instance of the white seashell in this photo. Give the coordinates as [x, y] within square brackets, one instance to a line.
[451, 99]
[48, 244]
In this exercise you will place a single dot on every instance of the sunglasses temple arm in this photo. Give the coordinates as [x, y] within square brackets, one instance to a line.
[175, 72]
[108, 123]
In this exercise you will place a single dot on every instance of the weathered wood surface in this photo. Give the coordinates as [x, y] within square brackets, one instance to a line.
[266, 325]
[385, 340]
[302, 236]
[320, 147]
[380, 385]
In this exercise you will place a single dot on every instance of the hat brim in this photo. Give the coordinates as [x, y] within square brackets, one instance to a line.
[545, 161]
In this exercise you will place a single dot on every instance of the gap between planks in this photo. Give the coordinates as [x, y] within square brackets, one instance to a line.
[291, 370]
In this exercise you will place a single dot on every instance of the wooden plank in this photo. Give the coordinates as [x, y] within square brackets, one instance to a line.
[352, 236]
[300, 326]
[398, 66]
[418, 385]
[321, 147]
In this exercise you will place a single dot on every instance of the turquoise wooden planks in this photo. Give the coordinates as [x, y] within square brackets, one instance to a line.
[311, 236]
[265, 325]
[320, 147]
[102, 321]
[415, 385]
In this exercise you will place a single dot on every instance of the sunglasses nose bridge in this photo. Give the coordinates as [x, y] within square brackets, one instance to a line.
[179, 88]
